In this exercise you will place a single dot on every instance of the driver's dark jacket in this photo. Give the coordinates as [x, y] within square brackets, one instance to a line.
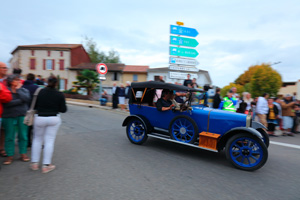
[162, 103]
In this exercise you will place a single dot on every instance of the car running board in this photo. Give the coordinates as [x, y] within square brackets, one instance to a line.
[167, 138]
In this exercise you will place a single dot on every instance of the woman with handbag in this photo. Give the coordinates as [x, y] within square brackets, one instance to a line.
[49, 104]
[13, 116]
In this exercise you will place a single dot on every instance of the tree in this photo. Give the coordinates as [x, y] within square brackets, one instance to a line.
[97, 56]
[247, 75]
[265, 79]
[259, 79]
[224, 90]
[87, 79]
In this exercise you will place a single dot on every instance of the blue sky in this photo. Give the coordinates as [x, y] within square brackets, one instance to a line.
[233, 34]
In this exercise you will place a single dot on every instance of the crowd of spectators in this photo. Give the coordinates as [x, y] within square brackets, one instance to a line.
[281, 116]
[16, 97]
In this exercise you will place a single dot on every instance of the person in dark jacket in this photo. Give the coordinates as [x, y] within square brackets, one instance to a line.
[115, 99]
[272, 117]
[49, 104]
[217, 99]
[31, 86]
[164, 103]
[121, 95]
[39, 80]
[203, 98]
[188, 81]
[13, 114]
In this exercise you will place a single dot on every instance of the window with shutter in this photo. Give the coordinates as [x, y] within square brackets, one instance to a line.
[32, 63]
[66, 84]
[61, 64]
[44, 64]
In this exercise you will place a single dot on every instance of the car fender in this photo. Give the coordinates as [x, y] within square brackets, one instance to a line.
[143, 119]
[257, 125]
[228, 134]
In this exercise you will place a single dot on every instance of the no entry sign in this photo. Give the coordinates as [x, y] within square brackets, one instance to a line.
[101, 68]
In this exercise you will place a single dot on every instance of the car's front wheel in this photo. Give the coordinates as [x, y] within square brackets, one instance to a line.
[136, 131]
[246, 152]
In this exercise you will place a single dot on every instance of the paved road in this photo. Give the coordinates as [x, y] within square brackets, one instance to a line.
[95, 160]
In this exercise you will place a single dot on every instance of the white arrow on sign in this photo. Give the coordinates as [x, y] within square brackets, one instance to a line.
[183, 68]
[183, 61]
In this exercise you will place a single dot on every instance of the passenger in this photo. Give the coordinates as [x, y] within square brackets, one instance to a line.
[173, 100]
[165, 103]
[179, 96]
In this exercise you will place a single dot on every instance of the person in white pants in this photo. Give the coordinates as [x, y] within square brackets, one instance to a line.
[49, 104]
[45, 129]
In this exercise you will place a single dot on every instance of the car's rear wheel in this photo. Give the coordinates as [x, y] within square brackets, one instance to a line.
[183, 129]
[136, 131]
[246, 152]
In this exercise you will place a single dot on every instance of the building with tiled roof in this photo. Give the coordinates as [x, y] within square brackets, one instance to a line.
[135, 73]
[47, 59]
[290, 88]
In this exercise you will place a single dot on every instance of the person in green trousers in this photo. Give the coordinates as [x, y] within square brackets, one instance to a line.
[13, 116]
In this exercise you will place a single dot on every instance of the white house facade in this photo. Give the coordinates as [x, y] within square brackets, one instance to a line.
[202, 76]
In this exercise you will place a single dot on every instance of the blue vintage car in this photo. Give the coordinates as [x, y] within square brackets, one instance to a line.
[244, 140]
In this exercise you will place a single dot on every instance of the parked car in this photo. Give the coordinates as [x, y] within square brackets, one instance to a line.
[244, 140]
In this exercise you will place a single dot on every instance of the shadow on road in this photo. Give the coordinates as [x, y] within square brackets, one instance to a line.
[188, 152]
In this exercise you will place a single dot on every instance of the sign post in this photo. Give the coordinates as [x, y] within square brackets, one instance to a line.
[182, 60]
[101, 68]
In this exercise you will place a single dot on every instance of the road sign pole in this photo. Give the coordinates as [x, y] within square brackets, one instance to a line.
[100, 89]
[102, 69]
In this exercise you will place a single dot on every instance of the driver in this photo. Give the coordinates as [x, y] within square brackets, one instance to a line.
[165, 103]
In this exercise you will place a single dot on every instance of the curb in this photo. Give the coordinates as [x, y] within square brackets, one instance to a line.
[97, 106]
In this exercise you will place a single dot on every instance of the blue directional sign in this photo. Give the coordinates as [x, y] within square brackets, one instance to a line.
[180, 30]
[183, 41]
[176, 51]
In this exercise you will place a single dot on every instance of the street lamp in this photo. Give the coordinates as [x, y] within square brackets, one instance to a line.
[275, 63]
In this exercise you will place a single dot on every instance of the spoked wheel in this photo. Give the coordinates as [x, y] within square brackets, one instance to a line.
[246, 152]
[183, 129]
[136, 131]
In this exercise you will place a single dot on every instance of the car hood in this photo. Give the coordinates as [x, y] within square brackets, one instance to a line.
[219, 121]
